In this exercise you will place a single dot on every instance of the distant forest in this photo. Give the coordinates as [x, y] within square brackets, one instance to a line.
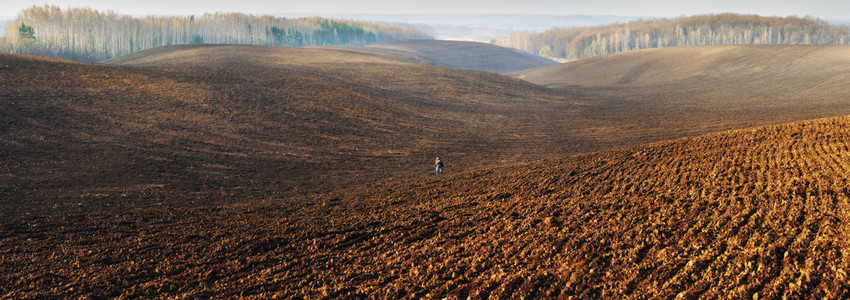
[720, 29]
[89, 35]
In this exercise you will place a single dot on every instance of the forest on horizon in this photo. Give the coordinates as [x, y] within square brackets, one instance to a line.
[90, 35]
[704, 30]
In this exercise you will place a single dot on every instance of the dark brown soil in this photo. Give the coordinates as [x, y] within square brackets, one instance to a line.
[299, 173]
[754, 212]
[240, 118]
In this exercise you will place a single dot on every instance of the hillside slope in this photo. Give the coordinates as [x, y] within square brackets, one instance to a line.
[723, 87]
[753, 213]
[749, 214]
[202, 171]
[466, 55]
[804, 68]
[273, 121]
[245, 118]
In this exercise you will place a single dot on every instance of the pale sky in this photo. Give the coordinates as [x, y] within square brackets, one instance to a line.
[824, 9]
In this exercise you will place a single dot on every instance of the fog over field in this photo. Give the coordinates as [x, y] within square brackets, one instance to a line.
[479, 27]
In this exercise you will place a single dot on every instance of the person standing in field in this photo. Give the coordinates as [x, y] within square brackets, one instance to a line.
[439, 164]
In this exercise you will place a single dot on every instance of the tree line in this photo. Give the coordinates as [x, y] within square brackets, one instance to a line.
[706, 30]
[90, 35]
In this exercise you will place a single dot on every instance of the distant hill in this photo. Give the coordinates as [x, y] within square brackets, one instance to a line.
[90, 35]
[467, 55]
[746, 85]
[808, 69]
[706, 30]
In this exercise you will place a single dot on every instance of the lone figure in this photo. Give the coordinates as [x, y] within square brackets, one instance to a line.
[439, 164]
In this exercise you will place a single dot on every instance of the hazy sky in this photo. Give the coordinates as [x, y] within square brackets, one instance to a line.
[824, 9]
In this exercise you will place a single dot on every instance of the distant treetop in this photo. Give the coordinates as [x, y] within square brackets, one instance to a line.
[706, 30]
[91, 35]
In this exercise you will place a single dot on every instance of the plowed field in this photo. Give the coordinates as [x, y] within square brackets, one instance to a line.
[758, 213]
[227, 171]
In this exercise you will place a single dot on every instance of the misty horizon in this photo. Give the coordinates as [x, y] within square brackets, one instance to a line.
[821, 9]
[462, 26]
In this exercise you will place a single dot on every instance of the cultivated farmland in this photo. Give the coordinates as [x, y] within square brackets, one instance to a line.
[228, 171]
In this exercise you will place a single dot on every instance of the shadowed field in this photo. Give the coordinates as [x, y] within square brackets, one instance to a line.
[302, 172]
[241, 117]
[466, 55]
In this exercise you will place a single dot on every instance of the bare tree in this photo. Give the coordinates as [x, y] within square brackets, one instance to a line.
[721, 29]
[87, 34]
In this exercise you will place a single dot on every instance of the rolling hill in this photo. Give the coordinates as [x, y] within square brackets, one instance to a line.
[724, 87]
[314, 119]
[798, 68]
[466, 55]
[290, 120]
[754, 213]
[201, 171]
